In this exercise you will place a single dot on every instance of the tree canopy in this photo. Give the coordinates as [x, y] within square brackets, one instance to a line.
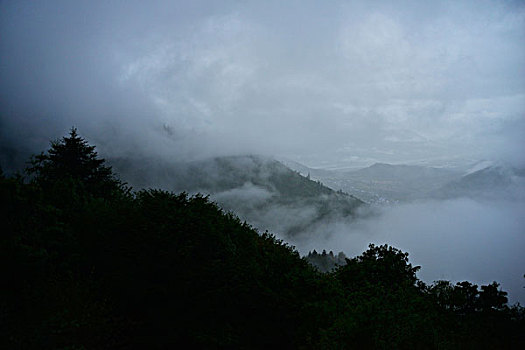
[72, 161]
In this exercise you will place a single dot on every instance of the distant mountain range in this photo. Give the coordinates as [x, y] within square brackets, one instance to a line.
[260, 190]
[488, 183]
[386, 183]
[292, 198]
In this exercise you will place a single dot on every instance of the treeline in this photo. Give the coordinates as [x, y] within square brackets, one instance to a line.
[326, 262]
[89, 264]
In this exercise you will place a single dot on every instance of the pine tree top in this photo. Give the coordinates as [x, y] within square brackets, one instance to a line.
[73, 158]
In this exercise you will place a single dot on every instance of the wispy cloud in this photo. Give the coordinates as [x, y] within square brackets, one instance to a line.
[311, 80]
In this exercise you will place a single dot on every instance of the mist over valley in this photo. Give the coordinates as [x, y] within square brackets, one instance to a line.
[437, 215]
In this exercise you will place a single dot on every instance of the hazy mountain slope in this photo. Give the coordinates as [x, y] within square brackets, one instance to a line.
[260, 190]
[400, 182]
[385, 183]
[305, 170]
[489, 183]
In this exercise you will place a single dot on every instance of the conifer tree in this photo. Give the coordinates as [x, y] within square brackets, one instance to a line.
[71, 161]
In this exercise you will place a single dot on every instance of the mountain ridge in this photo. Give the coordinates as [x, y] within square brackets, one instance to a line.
[258, 189]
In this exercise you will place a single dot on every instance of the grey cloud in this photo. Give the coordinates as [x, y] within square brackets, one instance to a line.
[310, 79]
[248, 195]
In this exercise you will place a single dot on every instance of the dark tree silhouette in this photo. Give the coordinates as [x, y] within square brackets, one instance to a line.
[465, 297]
[71, 161]
[383, 264]
[490, 298]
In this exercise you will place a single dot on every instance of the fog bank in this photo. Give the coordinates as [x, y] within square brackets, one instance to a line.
[455, 240]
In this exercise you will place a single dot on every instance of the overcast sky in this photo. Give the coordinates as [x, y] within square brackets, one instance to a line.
[322, 82]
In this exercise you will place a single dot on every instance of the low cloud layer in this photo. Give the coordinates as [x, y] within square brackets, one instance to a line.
[457, 240]
[323, 82]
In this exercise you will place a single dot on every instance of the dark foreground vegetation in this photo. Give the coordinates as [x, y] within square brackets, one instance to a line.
[86, 263]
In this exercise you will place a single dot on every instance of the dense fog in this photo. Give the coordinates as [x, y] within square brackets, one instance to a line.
[455, 239]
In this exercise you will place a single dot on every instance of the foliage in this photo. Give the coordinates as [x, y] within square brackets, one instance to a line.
[91, 265]
[326, 262]
[71, 166]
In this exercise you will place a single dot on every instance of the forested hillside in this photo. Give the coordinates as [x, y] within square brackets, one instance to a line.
[258, 189]
[88, 263]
